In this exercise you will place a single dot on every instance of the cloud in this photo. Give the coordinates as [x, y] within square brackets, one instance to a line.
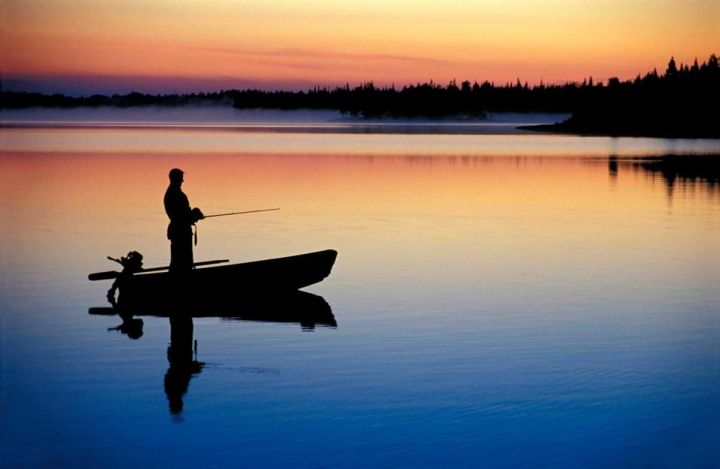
[305, 55]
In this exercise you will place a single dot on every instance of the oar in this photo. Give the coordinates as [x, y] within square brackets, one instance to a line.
[114, 274]
[241, 213]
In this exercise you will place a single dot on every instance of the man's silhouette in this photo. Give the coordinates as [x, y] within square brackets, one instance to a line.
[182, 218]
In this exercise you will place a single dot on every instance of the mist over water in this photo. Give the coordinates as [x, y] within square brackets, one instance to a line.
[222, 113]
[500, 300]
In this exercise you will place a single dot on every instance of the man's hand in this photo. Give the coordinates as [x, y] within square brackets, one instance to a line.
[197, 214]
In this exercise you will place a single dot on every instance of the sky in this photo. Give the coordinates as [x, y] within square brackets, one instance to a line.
[82, 47]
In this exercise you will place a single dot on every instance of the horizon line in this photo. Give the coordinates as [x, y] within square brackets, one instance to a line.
[85, 85]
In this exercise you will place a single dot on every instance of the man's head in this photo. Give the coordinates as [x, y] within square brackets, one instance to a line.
[176, 176]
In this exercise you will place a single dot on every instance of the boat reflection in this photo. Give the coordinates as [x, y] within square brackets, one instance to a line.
[299, 307]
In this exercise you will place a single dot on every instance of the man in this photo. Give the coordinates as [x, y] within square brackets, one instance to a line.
[182, 218]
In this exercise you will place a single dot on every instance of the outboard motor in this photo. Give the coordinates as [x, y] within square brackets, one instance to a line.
[131, 263]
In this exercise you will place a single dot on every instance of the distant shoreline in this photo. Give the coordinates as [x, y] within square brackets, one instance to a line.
[568, 128]
[681, 103]
[225, 118]
[346, 124]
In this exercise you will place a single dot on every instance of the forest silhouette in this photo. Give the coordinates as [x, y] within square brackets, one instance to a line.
[681, 102]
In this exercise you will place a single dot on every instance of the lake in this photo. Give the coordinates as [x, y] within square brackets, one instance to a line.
[500, 298]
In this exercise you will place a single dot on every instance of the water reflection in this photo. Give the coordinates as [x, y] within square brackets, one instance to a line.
[298, 307]
[687, 172]
[613, 167]
[131, 327]
[482, 296]
[182, 358]
[337, 139]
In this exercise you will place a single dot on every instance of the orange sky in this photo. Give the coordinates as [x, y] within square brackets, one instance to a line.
[289, 44]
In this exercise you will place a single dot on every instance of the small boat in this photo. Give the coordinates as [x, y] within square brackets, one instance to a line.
[262, 278]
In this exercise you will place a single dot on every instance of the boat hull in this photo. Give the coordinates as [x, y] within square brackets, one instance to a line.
[251, 279]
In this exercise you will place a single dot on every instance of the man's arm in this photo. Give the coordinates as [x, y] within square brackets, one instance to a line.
[177, 208]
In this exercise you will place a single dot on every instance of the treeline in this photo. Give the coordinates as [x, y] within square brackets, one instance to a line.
[421, 100]
[682, 102]
[683, 92]
[367, 100]
[18, 100]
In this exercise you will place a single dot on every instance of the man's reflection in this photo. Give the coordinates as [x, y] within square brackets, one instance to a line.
[182, 361]
[306, 309]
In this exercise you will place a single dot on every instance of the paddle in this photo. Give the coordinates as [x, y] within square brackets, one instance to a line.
[111, 274]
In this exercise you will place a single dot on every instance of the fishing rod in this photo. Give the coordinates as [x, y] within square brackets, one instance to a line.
[241, 213]
[195, 237]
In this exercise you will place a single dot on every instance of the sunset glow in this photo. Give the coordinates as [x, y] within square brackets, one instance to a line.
[193, 46]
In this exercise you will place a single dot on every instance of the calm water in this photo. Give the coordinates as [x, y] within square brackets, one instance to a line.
[501, 300]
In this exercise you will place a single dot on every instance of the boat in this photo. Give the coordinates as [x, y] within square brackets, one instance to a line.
[257, 279]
